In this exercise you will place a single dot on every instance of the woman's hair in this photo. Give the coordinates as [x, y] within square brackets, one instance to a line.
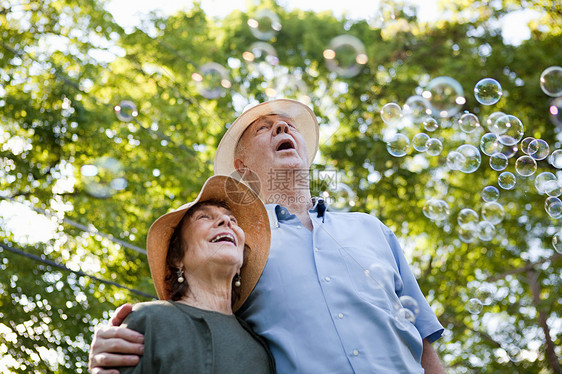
[176, 253]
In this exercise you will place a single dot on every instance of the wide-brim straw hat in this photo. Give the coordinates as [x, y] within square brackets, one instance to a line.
[303, 119]
[251, 216]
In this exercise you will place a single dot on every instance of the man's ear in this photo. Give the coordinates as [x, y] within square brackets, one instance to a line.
[239, 165]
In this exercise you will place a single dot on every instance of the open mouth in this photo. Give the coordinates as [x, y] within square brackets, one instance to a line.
[229, 238]
[285, 145]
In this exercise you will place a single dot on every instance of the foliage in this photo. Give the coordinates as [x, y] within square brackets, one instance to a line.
[65, 65]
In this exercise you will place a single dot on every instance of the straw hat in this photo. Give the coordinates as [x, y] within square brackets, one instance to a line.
[303, 119]
[251, 216]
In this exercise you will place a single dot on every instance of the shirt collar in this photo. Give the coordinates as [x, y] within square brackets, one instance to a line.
[278, 213]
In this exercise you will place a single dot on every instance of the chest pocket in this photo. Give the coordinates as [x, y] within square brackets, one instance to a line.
[373, 277]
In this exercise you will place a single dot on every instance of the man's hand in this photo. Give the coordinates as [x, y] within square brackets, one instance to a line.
[115, 346]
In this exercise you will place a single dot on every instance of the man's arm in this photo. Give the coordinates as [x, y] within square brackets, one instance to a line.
[430, 361]
[115, 346]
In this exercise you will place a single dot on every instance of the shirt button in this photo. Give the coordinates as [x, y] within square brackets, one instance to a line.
[355, 352]
[299, 226]
[327, 279]
[315, 249]
[340, 316]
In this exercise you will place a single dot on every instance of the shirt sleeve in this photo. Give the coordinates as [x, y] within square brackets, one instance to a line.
[426, 322]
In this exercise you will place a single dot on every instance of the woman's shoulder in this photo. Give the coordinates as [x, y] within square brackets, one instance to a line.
[155, 312]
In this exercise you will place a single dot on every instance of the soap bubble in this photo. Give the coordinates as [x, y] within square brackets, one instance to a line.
[391, 113]
[490, 193]
[104, 178]
[472, 158]
[469, 123]
[507, 180]
[467, 218]
[557, 241]
[383, 15]
[416, 108]
[492, 118]
[553, 207]
[493, 212]
[265, 24]
[379, 276]
[474, 306]
[261, 53]
[345, 56]
[508, 151]
[538, 149]
[430, 124]
[541, 181]
[434, 147]
[555, 111]
[490, 144]
[342, 198]
[509, 128]
[525, 144]
[436, 209]
[553, 188]
[467, 235]
[445, 96]
[485, 294]
[525, 166]
[488, 91]
[125, 111]
[419, 142]
[211, 80]
[498, 161]
[455, 160]
[551, 81]
[485, 231]
[555, 159]
[409, 303]
[398, 145]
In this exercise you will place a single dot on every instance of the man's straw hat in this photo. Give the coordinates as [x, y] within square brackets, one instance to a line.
[303, 119]
[251, 216]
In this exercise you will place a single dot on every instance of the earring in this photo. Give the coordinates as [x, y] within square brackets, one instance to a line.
[237, 279]
[179, 273]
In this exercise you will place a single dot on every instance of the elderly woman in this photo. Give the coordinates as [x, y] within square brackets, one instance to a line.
[205, 258]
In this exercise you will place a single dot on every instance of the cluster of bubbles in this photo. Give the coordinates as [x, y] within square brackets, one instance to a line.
[104, 177]
[484, 295]
[443, 98]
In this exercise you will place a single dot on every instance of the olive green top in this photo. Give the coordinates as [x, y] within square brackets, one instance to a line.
[179, 338]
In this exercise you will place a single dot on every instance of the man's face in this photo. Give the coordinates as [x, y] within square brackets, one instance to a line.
[269, 143]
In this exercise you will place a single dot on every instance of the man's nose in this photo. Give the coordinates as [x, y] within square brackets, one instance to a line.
[281, 127]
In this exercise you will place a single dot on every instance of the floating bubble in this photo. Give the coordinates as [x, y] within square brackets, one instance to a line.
[525, 166]
[490, 193]
[485, 294]
[493, 212]
[434, 147]
[474, 306]
[467, 235]
[265, 24]
[398, 145]
[557, 241]
[419, 142]
[488, 91]
[541, 181]
[211, 80]
[445, 96]
[509, 128]
[430, 124]
[551, 81]
[416, 108]
[455, 160]
[103, 178]
[507, 180]
[342, 198]
[472, 158]
[383, 15]
[492, 118]
[378, 276]
[498, 161]
[508, 151]
[126, 111]
[261, 53]
[525, 144]
[391, 113]
[485, 231]
[345, 56]
[553, 207]
[467, 218]
[490, 144]
[555, 111]
[469, 123]
[436, 209]
[553, 188]
[538, 149]
[411, 305]
[555, 159]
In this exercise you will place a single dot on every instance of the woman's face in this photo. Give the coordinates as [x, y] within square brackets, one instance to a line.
[212, 236]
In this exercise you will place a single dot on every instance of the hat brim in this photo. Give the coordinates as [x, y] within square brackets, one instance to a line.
[251, 216]
[303, 119]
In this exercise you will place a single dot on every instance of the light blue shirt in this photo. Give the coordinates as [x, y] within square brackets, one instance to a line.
[327, 300]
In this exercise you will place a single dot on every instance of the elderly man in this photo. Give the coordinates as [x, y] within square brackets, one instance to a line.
[330, 299]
